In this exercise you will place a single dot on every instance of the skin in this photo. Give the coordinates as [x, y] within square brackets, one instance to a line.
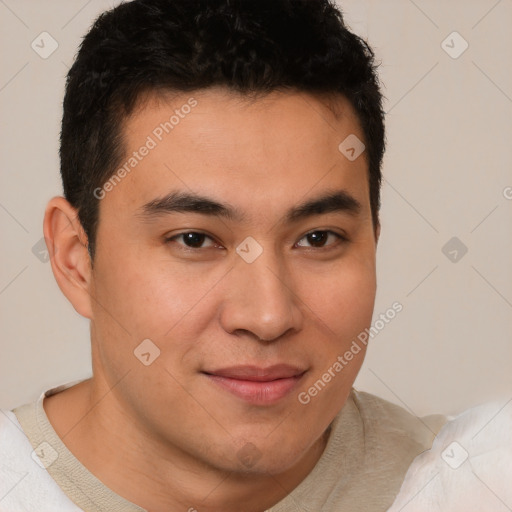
[164, 436]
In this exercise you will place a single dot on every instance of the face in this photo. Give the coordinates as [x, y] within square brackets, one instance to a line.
[240, 243]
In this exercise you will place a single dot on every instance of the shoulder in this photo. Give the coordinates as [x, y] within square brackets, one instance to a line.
[468, 466]
[24, 482]
[13, 441]
[384, 420]
[371, 444]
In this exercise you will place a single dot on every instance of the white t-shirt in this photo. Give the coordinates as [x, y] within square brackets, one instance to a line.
[370, 449]
[25, 485]
[468, 468]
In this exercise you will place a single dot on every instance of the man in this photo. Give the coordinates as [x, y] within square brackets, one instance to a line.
[221, 170]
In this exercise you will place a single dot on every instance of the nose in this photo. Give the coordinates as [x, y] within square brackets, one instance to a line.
[259, 298]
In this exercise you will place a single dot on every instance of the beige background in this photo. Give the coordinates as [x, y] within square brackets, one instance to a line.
[447, 169]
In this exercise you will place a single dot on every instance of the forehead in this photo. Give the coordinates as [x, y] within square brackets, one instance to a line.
[271, 150]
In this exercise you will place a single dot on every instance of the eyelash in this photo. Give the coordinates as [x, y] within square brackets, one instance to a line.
[341, 239]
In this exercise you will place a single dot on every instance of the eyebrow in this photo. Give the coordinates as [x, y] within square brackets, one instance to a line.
[338, 201]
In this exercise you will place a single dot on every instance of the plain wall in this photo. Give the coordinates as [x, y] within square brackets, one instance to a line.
[447, 168]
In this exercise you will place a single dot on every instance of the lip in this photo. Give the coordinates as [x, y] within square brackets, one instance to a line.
[257, 385]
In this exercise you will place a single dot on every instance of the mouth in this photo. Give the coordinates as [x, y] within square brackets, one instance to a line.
[257, 385]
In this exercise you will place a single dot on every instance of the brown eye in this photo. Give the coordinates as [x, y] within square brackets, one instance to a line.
[192, 240]
[318, 239]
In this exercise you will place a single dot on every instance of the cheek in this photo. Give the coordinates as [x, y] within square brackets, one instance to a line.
[343, 297]
[160, 301]
[342, 302]
[148, 297]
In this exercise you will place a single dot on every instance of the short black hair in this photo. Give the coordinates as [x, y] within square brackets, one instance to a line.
[248, 46]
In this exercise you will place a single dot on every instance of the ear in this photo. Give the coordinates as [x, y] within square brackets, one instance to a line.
[69, 256]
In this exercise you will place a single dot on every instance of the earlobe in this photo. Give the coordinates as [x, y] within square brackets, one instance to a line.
[69, 256]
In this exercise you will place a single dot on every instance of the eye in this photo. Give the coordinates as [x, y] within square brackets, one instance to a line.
[192, 240]
[318, 239]
[315, 239]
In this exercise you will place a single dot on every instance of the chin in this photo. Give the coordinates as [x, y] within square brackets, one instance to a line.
[262, 457]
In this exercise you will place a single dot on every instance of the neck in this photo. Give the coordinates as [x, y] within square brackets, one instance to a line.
[120, 451]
